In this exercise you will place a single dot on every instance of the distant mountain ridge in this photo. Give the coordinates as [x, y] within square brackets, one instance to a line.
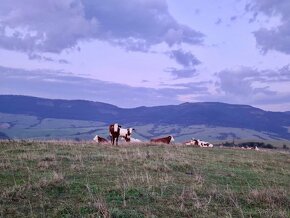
[183, 115]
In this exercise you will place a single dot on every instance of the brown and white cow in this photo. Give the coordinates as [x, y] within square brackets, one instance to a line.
[116, 131]
[165, 140]
[100, 139]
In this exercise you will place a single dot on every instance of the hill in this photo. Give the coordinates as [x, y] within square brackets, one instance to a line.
[3, 136]
[69, 179]
[219, 120]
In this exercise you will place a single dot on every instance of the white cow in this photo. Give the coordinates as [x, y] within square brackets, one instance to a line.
[132, 140]
[126, 133]
[199, 143]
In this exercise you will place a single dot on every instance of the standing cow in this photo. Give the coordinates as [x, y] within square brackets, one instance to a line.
[116, 131]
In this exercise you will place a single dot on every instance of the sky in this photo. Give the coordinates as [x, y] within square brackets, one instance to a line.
[134, 53]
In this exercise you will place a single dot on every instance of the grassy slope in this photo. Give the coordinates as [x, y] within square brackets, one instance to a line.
[82, 179]
[25, 127]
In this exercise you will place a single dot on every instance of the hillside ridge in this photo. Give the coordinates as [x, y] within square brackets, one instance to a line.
[186, 114]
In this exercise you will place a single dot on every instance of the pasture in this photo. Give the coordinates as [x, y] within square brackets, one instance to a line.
[70, 179]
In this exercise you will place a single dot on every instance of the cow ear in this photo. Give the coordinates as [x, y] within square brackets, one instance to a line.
[133, 129]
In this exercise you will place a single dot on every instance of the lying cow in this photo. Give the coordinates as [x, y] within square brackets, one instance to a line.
[199, 143]
[132, 140]
[100, 139]
[165, 140]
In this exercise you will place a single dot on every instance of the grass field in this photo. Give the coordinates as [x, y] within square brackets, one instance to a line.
[69, 179]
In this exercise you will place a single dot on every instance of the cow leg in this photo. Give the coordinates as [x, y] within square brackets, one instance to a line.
[113, 140]
[117, 141]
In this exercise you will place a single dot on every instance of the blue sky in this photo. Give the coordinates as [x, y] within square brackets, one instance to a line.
[148, 52]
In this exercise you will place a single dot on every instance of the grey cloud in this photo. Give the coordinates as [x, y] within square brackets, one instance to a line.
[181, 73]
[53, 84]
[276, 38]
[195, 87]
[237, 86]
[233, 18]
[269, 7]
[39, 57]
[44, 26]
[139, 23]
[52, 26]
[197, 11]
[186, 59]
[233, 86]
[240, 83]
[234, 83]
[33, 56]
[285, 72]
[62, 61]
[279, 75]
[254, 17]
[218, 21]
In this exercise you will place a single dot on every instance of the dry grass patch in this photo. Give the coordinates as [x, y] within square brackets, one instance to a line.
[269, 197]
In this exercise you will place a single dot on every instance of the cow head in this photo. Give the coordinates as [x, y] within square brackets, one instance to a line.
[96, 138]
[130, 130]
[116, 127]
[171, 138]
[127, 139]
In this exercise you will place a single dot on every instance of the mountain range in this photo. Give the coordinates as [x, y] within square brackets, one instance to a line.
[32, 117]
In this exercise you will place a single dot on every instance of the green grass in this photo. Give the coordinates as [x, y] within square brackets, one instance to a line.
[31, 127]
[68, 179]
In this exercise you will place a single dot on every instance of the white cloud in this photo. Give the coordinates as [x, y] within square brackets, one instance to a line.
[53, 26]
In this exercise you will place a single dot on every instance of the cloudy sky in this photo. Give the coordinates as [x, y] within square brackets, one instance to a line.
[148, 52]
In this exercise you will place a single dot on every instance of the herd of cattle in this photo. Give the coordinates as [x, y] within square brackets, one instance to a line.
[116, 131]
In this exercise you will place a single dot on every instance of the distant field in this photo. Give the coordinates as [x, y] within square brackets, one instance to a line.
[69, 179]
[31, 127]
